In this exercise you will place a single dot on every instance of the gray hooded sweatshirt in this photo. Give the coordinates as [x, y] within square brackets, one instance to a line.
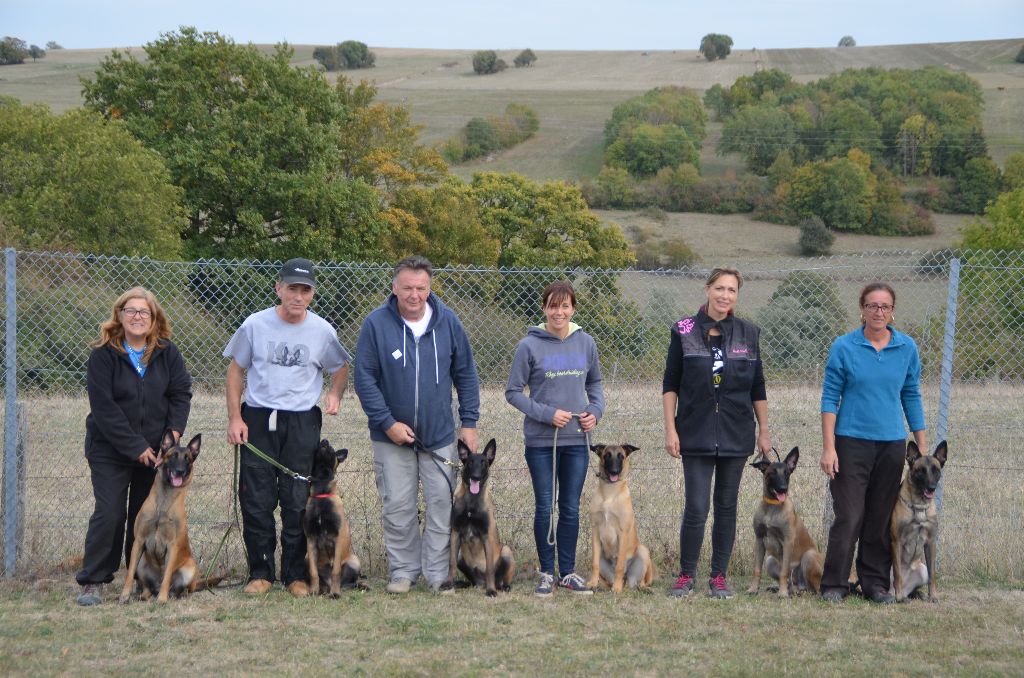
[561, 374]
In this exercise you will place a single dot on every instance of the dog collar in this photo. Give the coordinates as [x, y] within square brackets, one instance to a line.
[773, 502]
[323, 496]
[915, 507]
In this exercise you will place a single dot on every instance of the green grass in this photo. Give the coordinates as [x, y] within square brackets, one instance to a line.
[971, 631]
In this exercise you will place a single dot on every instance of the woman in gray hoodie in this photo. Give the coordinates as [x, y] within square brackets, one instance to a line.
[557, 362]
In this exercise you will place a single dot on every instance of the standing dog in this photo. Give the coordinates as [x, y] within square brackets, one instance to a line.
[332, 565]
[915, 522]
[161, 556]
[618, 556]
[475, 547]
[780, 532]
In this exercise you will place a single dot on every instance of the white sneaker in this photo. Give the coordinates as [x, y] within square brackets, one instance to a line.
[398, 585]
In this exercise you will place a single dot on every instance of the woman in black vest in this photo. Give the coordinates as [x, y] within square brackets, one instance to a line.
[712, 391]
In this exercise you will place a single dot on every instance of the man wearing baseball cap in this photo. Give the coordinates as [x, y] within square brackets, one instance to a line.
[281, 354]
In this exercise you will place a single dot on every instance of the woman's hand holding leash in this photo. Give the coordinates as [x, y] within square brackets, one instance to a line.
[587, 422]
[561, 418]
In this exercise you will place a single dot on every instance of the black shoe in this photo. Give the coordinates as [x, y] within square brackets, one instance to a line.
[832, 596]
[882, 598]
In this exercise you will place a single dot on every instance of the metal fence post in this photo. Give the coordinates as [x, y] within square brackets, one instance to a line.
[948, 346]
[11, 499]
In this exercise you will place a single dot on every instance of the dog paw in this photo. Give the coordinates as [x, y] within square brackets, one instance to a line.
[124, 599]
[491, 593]
[753, 591]
[932, 599]
[617, 588]
[334, 595]
[162, 599]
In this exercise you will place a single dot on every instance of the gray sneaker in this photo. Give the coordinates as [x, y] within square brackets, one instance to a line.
[718, 588]
[575, 583]
[546, 585]
[398, 585]
[682, 588]
[92, 594]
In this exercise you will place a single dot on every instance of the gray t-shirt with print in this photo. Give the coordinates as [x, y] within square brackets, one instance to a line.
[285, 361]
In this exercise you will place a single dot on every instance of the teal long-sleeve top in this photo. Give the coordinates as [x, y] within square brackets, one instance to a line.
[870, 391]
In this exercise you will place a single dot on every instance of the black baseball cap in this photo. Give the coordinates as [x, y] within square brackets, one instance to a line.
[298, 271]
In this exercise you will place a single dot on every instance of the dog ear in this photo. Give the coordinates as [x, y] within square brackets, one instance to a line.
[940, 453]
[166, 442]
[464, 451]
[490, 450]
[195, 444]
[792, 458]
[761, 462]
[913, 453]
[341, 454]
[630, 449]
[598, 449]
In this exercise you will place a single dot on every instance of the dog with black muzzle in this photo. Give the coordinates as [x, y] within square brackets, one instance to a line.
[161, 556]
[619, 559]
[332, 565]
[793, 558]
[476, 549]
[915, 523]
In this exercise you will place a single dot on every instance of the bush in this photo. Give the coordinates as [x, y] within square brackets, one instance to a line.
[678, 254]
[345, 55]
[847, 41]
[486, 61]
[978, 183]
[715, 46]
[815, 238]
[814, 290]
[12, 51]
[481, 138]
[525, 58]
[792, 337]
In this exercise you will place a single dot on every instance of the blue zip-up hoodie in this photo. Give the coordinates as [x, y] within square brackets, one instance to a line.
[400, 378]
[871, 391]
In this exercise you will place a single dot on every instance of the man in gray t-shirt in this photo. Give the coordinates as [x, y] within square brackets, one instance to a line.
[281, 354]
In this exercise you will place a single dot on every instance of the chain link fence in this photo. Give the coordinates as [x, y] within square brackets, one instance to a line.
[55, 302]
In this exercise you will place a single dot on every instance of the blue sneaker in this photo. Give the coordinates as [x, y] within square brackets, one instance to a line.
[575, 583]
[546, 586]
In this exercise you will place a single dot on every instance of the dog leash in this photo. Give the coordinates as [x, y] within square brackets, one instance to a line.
[554, 479]
[418, 448]
[273, 462]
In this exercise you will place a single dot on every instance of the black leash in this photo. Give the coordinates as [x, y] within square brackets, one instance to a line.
[418, 448]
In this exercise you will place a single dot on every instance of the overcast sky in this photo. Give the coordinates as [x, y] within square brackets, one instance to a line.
[540, 24]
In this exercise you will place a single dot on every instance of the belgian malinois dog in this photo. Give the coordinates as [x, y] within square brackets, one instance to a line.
[619, 559]
[161, 557]
[476, 549]
[793, 558]
[332, 565]
[915, 522]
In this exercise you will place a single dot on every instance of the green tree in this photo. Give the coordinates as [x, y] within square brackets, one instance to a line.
[1013, 171]
[328, 58]
[481, 138]
[12, 50]
[1002, 227]
[915, 145]
[78, 182]
[758, 133]
[849, 125]
[715, 46]
[978, 183]
[36, 52]
[847, 41]
[53, 44]
[670, 105]
[525, 58]
[255, 143]
[815, 238]
[486, 61]
[645, 149]
[355, 54]
[839, 191]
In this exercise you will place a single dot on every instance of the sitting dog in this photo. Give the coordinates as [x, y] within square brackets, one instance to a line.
[161, 556]
[779, 531]
[915, 522]
[619, 559]
[476, 548]
[332, 565]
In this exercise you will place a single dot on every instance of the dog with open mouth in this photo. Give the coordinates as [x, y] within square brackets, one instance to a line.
[619, 559]
[476, 549]
[915, 523]
[792, 556]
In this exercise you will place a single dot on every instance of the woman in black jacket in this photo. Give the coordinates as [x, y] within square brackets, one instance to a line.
[138, 388]
[712, 391]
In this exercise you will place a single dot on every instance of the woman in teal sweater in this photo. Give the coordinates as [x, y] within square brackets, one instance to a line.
[871, 383]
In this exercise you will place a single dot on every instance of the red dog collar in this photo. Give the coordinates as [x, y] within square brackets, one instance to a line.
[323, 496]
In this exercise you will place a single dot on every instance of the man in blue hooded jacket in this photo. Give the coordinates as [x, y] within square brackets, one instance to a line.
[411, 352]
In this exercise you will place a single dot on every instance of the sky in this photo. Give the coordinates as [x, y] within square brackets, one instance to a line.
[538, 24]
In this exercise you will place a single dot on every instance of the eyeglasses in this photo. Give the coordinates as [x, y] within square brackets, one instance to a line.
[136, 313]
[875, 308]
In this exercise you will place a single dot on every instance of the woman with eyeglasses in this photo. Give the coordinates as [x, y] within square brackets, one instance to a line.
[138, 387]
[871, 384]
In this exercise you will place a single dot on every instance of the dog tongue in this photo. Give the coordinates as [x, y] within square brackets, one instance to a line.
[474, 486]
[928, 495]
[781, 496]
[176, 481]
[614, 477]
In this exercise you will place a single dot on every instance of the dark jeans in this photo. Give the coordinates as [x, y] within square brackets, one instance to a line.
[697, 474]
[572, 462]
[120, 489]
[262, 487]
[863, 494]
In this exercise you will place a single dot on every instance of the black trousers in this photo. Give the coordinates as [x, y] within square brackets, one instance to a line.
[863, 494]
[120, 489]
[697, 475]
[262, 487]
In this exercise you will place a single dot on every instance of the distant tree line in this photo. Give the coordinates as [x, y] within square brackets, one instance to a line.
[350, 54]
[482, 136]
[15, 51]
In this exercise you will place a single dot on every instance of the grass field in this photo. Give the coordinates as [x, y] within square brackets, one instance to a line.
[972, 631]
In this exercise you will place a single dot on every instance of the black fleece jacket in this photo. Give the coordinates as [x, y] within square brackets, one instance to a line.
[713, 421]
[129, 413]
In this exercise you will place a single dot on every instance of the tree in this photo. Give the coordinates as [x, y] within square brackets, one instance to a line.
[1013, 171]
[260, 147]
[1002, 227]
[328, 58]
[815, 238]
[355, 54]
[660, 106]
[849, 125]
[12, 50]
[53, 44]
[839, 191]
[978, 183]
[481, 138]
[486, 61]
[915, 145]
[715, 46]
[525, 58]
[76, 181]
[847, 41]
[758, 133]
[645, 149]
[36, 52]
